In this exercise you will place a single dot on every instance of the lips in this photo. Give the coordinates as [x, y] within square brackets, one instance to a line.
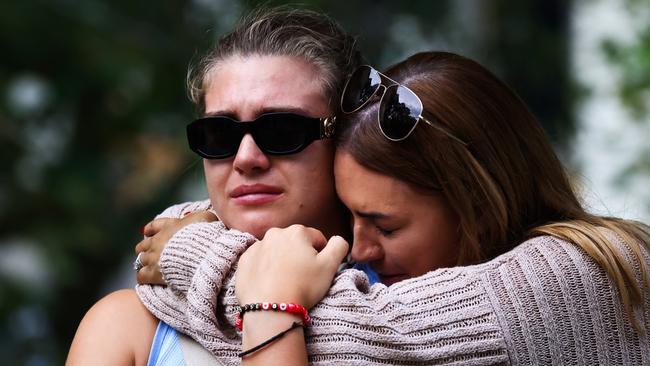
[255, 194]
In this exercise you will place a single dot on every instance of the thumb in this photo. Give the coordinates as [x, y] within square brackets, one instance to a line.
[334, 252]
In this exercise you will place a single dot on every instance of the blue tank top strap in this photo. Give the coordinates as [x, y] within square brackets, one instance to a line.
[165, 348]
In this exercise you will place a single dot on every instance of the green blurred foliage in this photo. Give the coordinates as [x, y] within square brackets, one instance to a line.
[632, 60]
[92, 116]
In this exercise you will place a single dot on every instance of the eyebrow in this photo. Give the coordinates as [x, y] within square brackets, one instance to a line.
[220, 114]
[372, 215]
[274, 109]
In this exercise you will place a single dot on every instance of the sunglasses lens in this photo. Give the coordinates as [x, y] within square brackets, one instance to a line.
[362, 85]
[399, 112]
[214, 137]
[284, 133]
[274, 133]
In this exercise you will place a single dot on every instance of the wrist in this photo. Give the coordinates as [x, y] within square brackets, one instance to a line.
[270, 294]
[260, 325]
[271, 338]
[296, 310]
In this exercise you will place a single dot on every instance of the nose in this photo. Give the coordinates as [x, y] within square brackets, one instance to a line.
[249, 158]
[364, 247]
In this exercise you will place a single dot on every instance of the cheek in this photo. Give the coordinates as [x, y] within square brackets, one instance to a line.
[442, 246]
[313, 172]
[216, 174]
[426, 247]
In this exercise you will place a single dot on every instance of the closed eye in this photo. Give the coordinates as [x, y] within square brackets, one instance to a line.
[384, 231]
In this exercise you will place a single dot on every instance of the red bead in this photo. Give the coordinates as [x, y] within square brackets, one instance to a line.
[239, 323]
[290, 308]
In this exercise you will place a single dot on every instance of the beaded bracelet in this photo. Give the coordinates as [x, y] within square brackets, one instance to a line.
[290, 308]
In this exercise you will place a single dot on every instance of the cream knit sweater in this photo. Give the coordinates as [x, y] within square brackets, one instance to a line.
[543, 303]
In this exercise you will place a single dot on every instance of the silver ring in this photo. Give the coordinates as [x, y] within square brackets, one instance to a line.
[137, 264]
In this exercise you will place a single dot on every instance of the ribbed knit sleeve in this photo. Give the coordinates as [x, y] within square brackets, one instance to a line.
[197, 312]
[195, 264]
[181, 255]
[443, 317]
[558, 307]
[185, 251]
[545, 302]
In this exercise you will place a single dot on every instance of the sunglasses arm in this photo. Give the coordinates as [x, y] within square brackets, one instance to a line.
[443, 130]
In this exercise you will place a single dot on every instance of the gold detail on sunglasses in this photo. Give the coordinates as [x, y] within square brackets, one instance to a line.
[328, 127]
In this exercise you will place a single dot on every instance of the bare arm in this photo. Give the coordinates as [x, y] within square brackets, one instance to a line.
[117, 330]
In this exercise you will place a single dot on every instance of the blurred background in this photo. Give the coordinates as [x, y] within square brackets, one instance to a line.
[93, 109]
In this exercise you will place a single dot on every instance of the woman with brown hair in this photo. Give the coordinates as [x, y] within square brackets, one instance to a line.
[461, 207]
[552, 283]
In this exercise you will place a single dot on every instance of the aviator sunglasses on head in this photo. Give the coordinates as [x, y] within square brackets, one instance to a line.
[219, 137]
[400, 109]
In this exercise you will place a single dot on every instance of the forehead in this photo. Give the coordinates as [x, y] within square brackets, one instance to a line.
[365, 190]
[245, 87]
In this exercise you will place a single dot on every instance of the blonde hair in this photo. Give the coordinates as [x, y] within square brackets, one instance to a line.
[588, 234]
[506, 185]
[283, 31]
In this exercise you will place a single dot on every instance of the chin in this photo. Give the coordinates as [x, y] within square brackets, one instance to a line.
[258, 223]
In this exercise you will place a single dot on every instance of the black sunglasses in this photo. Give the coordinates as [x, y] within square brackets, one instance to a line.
[400, 109]
[219, 137]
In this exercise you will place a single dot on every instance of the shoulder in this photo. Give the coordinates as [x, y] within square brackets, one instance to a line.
[118, 329]
[544, 248]
[550, 295]
[546, 264]
[123, 305]
[177, 210]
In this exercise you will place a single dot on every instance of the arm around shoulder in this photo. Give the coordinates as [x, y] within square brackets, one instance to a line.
[117, 330]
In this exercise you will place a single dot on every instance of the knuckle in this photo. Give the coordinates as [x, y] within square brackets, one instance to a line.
[159, 223]
[272, 232]
[243, 259]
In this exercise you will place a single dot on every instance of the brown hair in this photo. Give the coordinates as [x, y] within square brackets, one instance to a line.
[283, 31]
[506, 185]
